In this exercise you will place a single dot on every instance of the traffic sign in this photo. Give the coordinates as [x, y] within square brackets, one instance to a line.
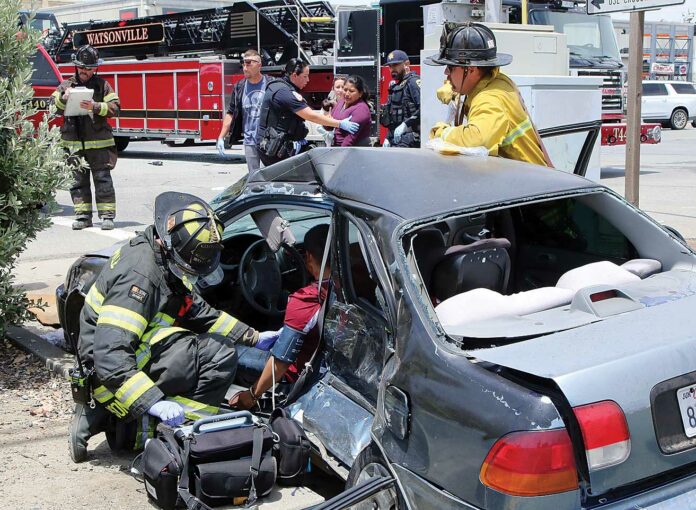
[605, 6]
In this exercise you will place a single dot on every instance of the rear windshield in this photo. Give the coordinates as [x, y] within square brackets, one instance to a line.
[535, 268]
[684, 88]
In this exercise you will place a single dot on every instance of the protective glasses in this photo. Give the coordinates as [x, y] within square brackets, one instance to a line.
[249, 61]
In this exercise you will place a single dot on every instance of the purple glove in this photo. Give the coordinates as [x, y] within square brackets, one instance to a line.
[267, 339]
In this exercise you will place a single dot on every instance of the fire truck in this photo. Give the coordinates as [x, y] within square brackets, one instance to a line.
[174, 73]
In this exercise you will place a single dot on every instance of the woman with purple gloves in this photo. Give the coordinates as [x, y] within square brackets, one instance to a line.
[353, 106]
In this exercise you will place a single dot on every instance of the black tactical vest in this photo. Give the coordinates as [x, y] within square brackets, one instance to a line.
[400, 105]
[284, 121]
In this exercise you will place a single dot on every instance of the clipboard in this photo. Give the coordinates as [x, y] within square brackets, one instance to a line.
[77, 94]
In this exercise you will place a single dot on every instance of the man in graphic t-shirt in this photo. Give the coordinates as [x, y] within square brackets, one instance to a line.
[242, 117]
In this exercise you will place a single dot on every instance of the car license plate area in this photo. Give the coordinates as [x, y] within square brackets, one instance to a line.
[675, 431]
[686, 397]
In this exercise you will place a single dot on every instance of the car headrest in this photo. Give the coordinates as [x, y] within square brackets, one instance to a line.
[482, 264]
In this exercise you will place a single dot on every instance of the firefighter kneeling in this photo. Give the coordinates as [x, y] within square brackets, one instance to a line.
[137, 347]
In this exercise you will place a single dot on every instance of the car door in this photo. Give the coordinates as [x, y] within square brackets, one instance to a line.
[574, 148]
[339, 409]
[654, 104]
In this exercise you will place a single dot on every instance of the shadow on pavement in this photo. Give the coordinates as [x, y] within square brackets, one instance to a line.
[153, 157]
[619, 171]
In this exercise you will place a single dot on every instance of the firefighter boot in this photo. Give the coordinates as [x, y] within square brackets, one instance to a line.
[81, 223]
[86, 422]
[107, 224]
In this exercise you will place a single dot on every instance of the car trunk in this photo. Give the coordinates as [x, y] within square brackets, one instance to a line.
[638, 359]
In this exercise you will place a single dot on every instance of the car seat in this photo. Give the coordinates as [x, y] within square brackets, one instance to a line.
[481, 264]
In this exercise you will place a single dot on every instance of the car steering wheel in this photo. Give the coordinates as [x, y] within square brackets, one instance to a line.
[265, 277]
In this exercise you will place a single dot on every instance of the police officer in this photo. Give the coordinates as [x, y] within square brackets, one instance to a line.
[282, 131]
[401, 113]
[90, 135]
[496, 116]
[156, 348]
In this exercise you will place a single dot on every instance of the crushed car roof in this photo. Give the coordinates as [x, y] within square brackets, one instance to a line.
[416, 183]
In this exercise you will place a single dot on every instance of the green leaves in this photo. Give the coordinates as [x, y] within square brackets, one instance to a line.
[32, 162]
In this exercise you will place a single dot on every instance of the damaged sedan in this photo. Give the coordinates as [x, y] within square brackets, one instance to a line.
[498, 335]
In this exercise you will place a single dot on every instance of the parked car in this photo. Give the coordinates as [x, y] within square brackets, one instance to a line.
[673, 103]
[500, 335]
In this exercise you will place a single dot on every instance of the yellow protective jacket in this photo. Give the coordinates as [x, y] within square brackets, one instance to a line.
[497, 120]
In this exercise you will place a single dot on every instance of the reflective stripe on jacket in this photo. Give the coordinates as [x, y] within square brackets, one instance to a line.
[130, 308]
[497, 120]
[92, 131]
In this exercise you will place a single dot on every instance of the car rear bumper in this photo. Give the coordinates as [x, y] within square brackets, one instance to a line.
[678, 495]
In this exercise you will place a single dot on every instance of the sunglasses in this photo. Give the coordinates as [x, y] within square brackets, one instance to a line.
[84, 68]
[248, 62]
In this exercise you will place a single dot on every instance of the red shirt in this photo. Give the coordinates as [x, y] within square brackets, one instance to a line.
[302, 315]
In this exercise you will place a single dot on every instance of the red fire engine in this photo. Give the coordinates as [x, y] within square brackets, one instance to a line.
[175, 73]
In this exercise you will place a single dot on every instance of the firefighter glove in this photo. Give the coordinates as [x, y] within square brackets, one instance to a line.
[437, 129]
[220, 146]
[267, 340]
[445, 93]
[400, 129]
[170, 413]
[349, 126]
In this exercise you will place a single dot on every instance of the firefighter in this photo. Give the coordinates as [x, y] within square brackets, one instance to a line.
[154, 347]
[282, 131]
[90, 135]
[242, 117]
[401, 113]
[496, 116]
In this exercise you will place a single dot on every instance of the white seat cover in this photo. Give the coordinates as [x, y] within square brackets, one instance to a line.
[596, 273]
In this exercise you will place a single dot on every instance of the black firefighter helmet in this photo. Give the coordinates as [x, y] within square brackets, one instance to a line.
[470, 44]
[86, 56]
[191, 234]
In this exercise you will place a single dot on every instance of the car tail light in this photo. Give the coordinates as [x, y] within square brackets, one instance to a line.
[605, 432]
[533, 463]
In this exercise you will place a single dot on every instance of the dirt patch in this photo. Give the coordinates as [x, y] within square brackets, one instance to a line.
[35, 469]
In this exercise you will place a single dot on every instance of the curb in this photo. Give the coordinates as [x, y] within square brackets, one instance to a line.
[55, 359]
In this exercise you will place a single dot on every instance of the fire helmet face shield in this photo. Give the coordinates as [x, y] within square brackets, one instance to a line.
[86, 56]
[191, 235]
[468, 45]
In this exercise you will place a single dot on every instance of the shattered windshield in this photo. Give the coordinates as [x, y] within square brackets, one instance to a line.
[587, 36]
[535, 268]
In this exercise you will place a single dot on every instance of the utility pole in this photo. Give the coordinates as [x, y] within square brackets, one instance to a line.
[635, 93]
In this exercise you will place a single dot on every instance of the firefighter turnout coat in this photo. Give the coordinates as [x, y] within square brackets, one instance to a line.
[497, 120]
[136, 333]
[83, 132]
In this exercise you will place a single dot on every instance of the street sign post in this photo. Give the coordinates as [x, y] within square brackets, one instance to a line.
[605, 6]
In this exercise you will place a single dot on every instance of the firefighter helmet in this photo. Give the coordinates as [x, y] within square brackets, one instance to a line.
[191, 234]
[86, 56]
[470, 44]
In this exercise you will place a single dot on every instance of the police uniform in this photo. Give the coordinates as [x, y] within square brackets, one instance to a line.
[279, 125]
[403, 105]
[136, 332]
[91, 136]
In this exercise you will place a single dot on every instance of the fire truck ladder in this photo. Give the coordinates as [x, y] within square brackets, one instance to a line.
[289, 29]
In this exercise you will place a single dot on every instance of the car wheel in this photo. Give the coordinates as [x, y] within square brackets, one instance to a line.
[679, 119]
[693, 123]
[121, 142]
[369, 463]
